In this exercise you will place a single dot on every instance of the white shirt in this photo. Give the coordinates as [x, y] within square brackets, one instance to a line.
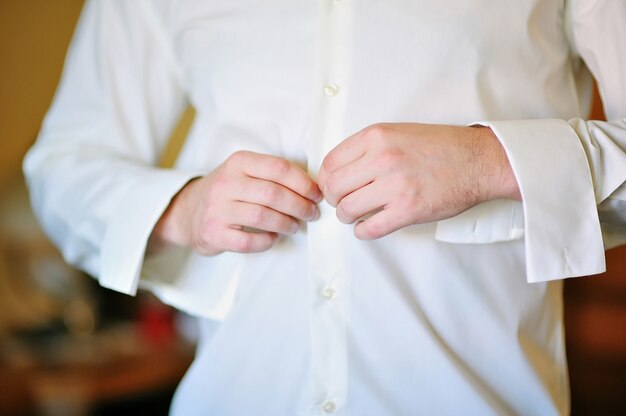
[463, 316]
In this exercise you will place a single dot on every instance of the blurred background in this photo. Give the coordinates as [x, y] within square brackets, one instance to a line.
[69, 347]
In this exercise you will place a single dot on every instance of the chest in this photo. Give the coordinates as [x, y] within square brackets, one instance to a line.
[256, 48]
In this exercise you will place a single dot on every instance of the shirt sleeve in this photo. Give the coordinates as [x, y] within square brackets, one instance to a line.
[92, 172]
[571, 172]
[597, 32]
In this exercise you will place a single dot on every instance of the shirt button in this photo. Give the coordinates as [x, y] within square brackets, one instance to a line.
[329, 407]
[331, 90]
[328, 293]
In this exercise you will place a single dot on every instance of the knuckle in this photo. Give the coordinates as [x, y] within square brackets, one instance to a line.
[280, 167]
[288, 226]
[375, 229]
[309, 211]
[244, 243]
[270, 194]
[375, 131]
[329, 163]
[346, 211]
[389, 157]
[332, 186]
[342, 215]
[203, 238]
[221, 182]
[257, 216]
[237, 158]
[301, 209]
[197, 242]
[310, 188]
[201, 242]
[266, 242]
[359, 232]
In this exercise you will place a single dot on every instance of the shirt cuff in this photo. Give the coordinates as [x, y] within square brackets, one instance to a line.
[562, 231]
[127, 234]
[490, 222]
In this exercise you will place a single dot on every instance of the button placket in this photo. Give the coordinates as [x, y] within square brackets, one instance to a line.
[328, 293]
[329, 280]
[329, 407]
[331, 89]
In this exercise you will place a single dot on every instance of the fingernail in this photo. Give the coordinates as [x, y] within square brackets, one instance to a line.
[316, 213]
[295, 227]
[318, 196]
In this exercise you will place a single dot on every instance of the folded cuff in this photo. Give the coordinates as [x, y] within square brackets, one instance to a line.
[128, 231]
[562, 231]
[559, 218]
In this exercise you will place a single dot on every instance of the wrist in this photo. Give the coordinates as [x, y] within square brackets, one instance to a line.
[170, 228]
[495, 176]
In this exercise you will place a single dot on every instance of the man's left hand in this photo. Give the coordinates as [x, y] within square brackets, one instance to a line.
[389, 176]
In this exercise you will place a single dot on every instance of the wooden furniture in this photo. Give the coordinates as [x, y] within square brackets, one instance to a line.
[78, 375]
[595, 322]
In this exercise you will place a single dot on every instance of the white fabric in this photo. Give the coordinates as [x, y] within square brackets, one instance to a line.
[433, 319]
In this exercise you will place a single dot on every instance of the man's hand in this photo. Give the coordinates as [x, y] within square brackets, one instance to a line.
[389, 176]
[241, 206]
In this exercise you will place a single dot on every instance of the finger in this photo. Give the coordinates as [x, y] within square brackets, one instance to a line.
[278, 198]
[262, 218]
[364, 201]
[240, 241]
[344, 153]
[380, 224]
[280, 171]
[348, 179]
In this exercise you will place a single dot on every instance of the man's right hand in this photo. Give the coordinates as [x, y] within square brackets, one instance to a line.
[242, 206]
